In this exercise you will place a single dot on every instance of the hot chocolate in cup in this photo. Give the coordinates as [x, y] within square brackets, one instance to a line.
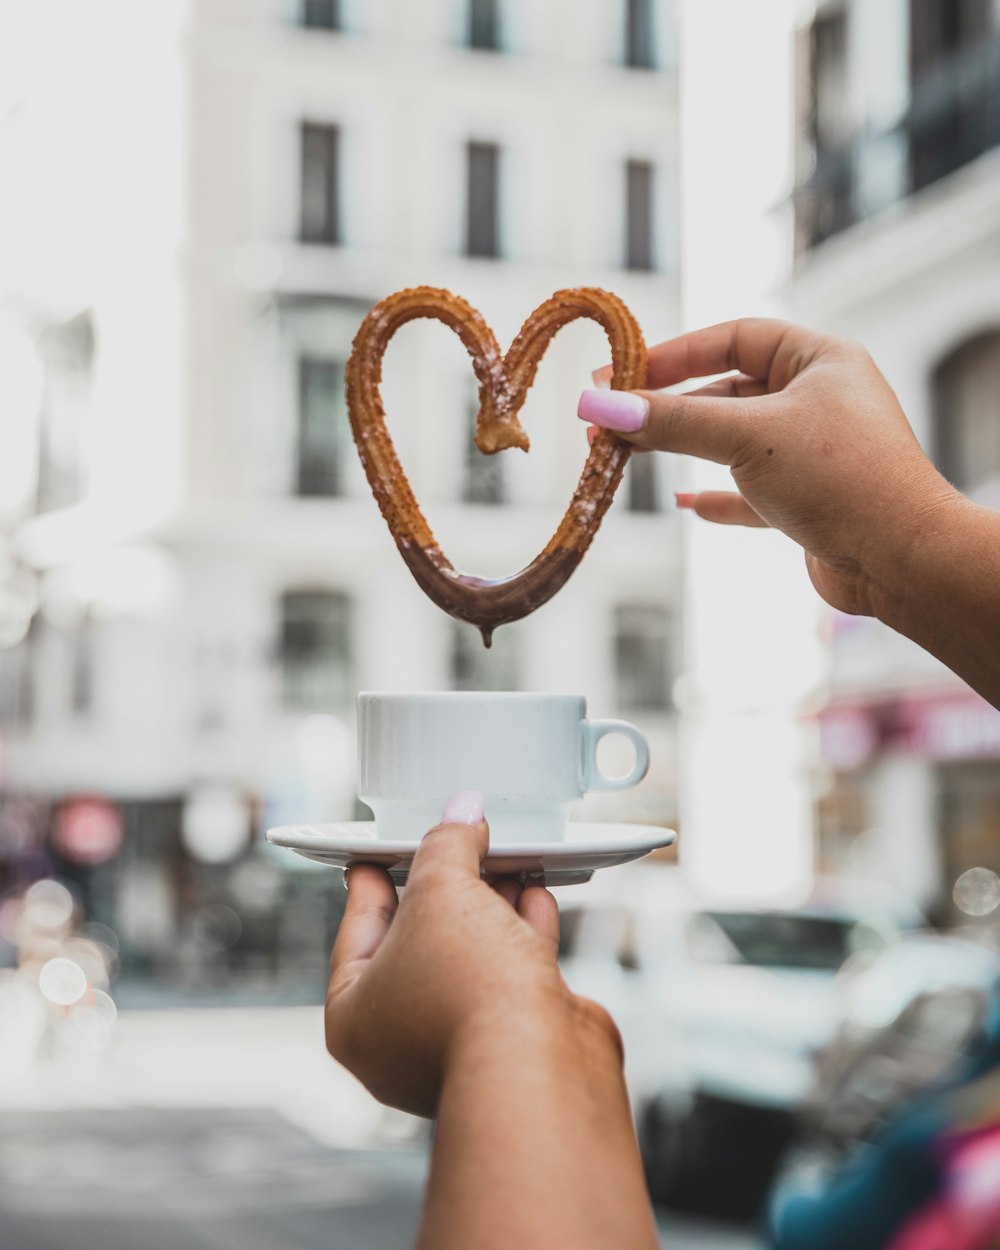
[533, 756]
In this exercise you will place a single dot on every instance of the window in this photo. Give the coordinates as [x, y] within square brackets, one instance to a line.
[67, 353]
[968, 817]
[769, 939]
[640, 35]
[316, 652]
[967, 413]
[320, 184]
[642, 483]
[829, 205]
[954, 115]
[322, 422]
[484, 25]
[938, 31]
[84, 646]
[639, 215]
[483, 474]
[829, 122]
[482, 225]
[642, 656]
[321, 14]
[16, 688]
[473, 667]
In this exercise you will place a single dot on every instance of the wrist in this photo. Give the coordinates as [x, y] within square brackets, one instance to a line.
[535, 1134]
[904, 569]
[548, 1027]
[944, 596]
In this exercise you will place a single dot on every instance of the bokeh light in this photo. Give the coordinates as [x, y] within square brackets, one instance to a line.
[977, 892]
[62, 981]
[93, 931]
[89, 957]
[88, 831]
[256, 884]
[89, 1024]
[217, 925]
[48, 904]
[215, 826]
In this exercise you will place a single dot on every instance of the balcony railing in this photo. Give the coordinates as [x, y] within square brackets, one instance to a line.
[953, 118]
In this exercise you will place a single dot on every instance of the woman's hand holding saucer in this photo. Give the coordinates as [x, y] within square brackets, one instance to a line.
[415, 980]
[450, 1002]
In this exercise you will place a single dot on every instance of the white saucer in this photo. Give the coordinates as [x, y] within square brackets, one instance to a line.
[586, 848]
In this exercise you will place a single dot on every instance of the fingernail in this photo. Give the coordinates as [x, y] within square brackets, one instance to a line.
[602, 376]
[613, 410]
[463, 808]
[684, 500]
[347, 878]
[591, 434]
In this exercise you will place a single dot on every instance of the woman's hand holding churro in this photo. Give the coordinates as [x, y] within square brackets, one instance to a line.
[819, 448]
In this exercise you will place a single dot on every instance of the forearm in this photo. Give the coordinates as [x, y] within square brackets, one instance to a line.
[944, 592]
[535, 1145]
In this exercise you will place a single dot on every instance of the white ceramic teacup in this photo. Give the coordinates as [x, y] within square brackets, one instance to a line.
[532, 755]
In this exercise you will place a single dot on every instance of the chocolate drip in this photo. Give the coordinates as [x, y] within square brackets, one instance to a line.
[481, 601]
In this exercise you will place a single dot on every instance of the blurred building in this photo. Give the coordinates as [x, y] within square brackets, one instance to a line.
[201, 204]
[898, 223]
[753, 658]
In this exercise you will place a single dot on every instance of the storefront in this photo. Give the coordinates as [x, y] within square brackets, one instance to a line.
[192, 903]
[913, 793]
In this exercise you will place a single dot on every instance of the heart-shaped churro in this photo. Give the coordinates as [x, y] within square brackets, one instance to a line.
[503, 386]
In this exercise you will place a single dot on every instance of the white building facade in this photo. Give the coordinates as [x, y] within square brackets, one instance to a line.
[898, 214]
[207, 579]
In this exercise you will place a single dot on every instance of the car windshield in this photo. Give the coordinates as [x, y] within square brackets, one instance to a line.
[769, 939]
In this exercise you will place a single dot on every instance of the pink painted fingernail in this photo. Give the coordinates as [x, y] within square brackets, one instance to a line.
[465, 807]
[602, 376]
[685, 500]
[591, 434]
[613, 410]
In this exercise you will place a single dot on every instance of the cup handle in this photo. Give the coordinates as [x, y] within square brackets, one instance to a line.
[594, 731]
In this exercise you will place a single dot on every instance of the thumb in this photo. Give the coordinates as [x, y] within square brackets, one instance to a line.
[458, 845]
[711, 427]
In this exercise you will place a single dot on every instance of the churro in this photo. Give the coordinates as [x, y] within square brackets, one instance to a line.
[503, 386]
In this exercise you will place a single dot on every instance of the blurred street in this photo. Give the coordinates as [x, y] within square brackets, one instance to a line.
[196, 1178]
[264, 1143]
[196, 583]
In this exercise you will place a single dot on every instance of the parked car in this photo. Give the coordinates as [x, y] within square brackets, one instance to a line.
[906, 1018]
[723, 1011]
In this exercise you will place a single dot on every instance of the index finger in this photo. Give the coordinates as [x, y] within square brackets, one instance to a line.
[371, 906]
[537, 906]
[772, 351]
